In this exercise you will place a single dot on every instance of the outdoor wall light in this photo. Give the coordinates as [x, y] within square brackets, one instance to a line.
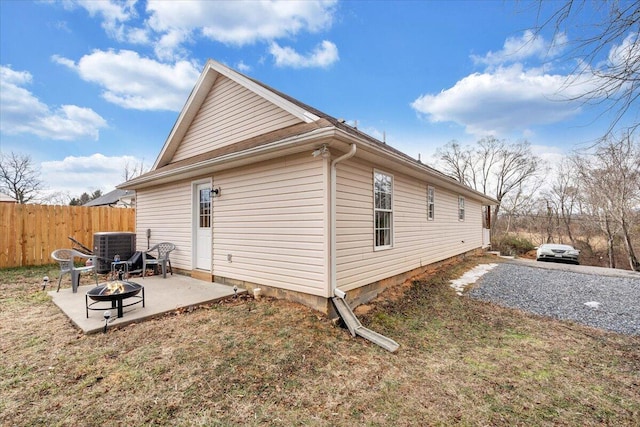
[215, 192]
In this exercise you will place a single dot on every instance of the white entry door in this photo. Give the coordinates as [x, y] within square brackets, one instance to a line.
[202, 223]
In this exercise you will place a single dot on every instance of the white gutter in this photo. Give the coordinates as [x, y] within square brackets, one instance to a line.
[444, 180]
[351, 153]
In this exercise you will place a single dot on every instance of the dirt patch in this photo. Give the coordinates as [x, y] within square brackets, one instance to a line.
[363, 309]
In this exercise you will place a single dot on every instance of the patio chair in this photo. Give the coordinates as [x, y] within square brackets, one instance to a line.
[163, 250]
[66, 259]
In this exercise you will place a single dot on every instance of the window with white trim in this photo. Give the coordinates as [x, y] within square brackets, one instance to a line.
[431, 203]
[461, 208]
[383, 209]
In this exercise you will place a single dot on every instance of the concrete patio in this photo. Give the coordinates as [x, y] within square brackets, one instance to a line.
[161, 296]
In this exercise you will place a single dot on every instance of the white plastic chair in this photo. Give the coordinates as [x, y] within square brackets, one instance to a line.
[65, 257]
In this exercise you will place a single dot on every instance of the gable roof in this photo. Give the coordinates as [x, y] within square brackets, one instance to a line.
[109, 199]
[5, 198]
[340, 124]
[212, 70]
[316, 126]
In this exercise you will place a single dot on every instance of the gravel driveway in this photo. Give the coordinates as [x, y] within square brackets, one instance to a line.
[601, 298]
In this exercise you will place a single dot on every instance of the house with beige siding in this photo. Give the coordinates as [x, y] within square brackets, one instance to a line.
[260, 190]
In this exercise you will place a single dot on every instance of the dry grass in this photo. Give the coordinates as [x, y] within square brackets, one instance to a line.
[267, 362]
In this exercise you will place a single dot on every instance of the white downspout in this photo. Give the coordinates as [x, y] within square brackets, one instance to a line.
[351, 153]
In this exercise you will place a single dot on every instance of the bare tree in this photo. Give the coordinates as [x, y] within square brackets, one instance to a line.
[607, 53]
[57, 198]
[611, 179]
[598, 211]
[456, 160]
[492, 167]
[564, 195]
[19, 179]
[133, 170]
[519, 203]
[551, 221]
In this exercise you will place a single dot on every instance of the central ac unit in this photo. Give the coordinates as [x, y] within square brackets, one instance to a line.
[106, 245]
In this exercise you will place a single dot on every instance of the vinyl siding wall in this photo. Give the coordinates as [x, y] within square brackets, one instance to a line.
[166, 210]
[271, 218]
[416, 241]
[229, 114]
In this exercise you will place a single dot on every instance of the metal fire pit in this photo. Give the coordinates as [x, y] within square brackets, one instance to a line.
[115, 292]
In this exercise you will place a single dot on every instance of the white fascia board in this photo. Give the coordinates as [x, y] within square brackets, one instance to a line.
[188, 113]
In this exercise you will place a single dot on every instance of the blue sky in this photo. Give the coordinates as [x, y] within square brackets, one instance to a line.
[89, 86]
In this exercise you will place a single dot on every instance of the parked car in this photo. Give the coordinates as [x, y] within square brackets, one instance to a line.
[557, 252]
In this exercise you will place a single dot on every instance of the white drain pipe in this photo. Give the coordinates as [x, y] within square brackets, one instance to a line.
[334, 291]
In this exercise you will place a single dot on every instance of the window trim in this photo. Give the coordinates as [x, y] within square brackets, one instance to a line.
[431, 203]
[461, 208]
[376, 210]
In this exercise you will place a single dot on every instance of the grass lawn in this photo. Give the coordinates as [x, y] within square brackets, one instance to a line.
[269, 362]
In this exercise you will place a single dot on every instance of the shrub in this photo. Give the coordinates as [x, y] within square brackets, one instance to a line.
[513, 245]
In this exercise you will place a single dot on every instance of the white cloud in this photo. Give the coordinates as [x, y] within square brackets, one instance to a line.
[21, 112]
[134, 82]
[170, 25]
[76, 175]
[241, 22]
[324, 55]
[241, 66]
[625, 55]
[510, 95]
[113, 13]
[18, 78]
[138, 36]
[508, 99]
[551, 156]
[373, 131]
[62, 26]
[169, 45]
[516, 49]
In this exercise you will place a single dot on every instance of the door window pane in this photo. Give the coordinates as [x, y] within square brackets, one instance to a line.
[205, 208]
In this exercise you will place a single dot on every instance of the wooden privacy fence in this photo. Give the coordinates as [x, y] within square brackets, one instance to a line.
[29, 233]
